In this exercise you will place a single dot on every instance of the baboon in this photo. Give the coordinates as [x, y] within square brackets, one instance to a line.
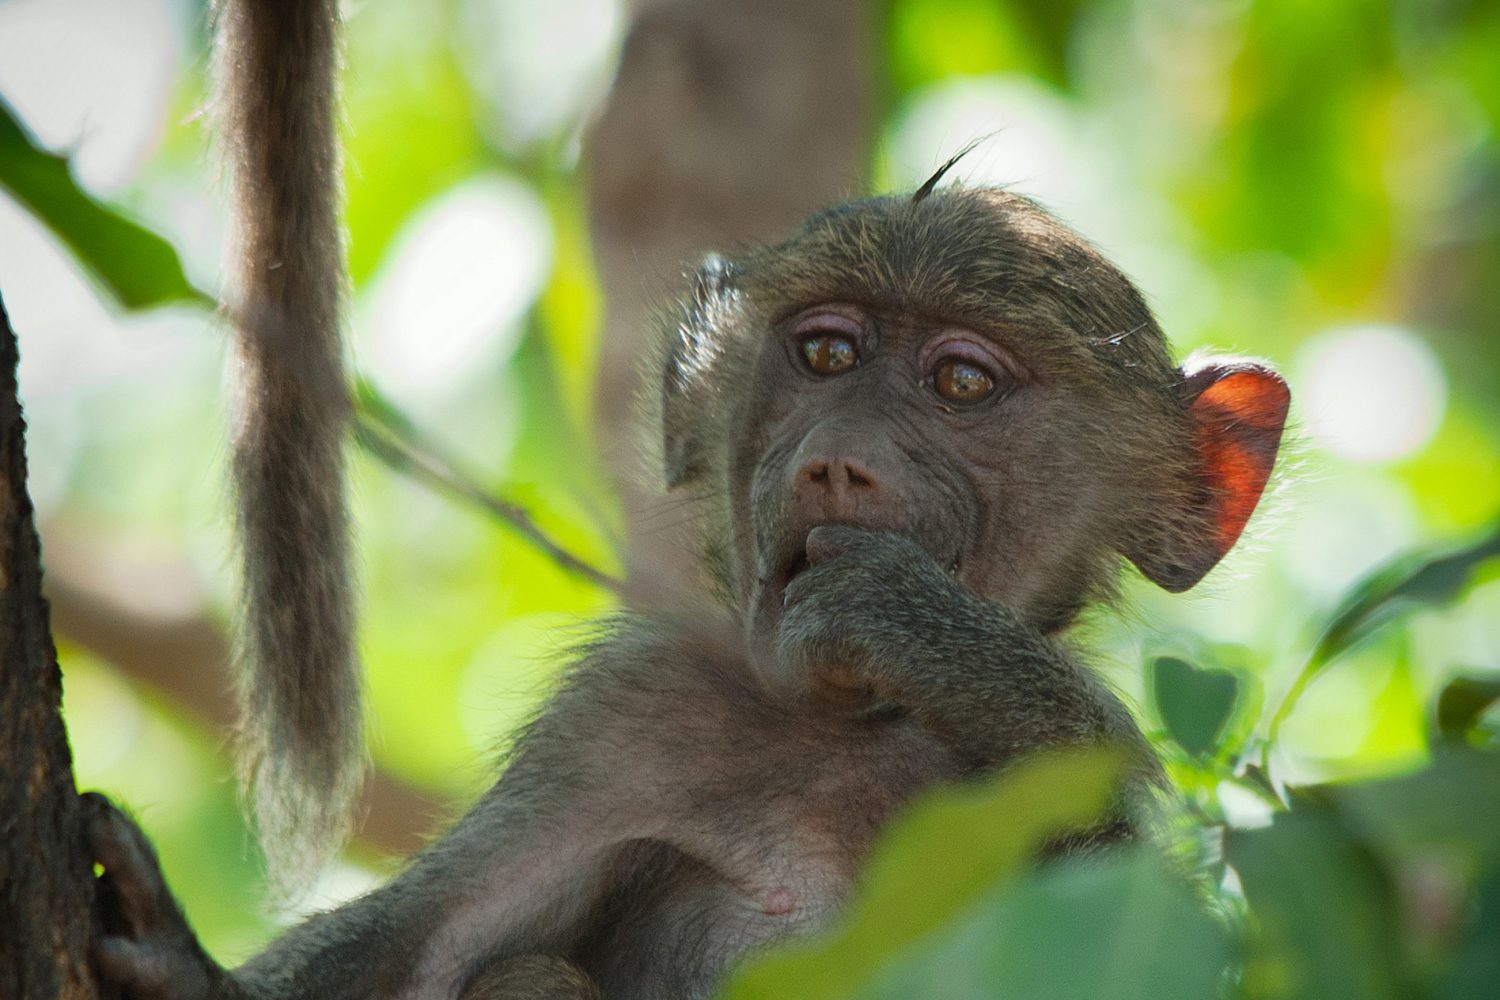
[921, 434]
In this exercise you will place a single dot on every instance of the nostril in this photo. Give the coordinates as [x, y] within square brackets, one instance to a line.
[837, 475]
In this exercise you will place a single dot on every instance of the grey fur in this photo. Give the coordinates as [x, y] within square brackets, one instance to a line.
[300, 738]
[896, 574]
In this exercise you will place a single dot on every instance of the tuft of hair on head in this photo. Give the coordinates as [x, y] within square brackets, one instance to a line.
[931, 183]
[301, 733]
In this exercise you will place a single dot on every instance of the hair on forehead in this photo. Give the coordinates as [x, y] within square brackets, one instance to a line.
[932, 182]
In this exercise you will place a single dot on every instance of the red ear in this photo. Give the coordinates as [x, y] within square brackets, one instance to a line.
[1235, 411]
[1238, 410]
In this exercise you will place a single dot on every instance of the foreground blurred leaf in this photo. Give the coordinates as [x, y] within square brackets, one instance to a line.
[1324, 911]
[1120, 927]
[1475, 972]
[1415, 581]
[1195, 705]
[139, 268]
[1451, 809]
[931, 867]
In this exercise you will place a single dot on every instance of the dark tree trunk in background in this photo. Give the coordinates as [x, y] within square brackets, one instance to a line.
[46, 882]
[729, 121]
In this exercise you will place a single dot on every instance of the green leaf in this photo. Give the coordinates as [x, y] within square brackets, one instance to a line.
[1324, 910]
[1462, 702]
[1450, 809]
[933, 864]
[1476, 967]
[1110, 928]
[1415, 581]
[1412, 582]
[139, 268]
[1195, 705]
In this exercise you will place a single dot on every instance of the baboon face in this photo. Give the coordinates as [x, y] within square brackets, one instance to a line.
[938, 429]
[964, 370]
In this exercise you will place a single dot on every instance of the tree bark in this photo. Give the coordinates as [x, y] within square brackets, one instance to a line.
[46, 880]
[729, 121]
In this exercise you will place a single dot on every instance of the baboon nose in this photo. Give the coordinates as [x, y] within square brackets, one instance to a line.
[839, 485]
[837, 474]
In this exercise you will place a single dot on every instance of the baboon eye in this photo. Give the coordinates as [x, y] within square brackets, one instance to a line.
[829, 353]
[961, 382]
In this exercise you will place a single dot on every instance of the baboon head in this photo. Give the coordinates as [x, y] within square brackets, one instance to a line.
[960, 367]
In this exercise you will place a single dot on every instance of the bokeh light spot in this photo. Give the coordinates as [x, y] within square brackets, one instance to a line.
[1370, 394]
[458, 279]
[91, 78]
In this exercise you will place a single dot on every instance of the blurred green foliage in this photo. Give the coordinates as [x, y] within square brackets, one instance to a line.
[1278, 176]
[1373, 889]
[139, 268]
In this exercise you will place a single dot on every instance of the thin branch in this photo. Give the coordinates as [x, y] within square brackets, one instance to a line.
[419, 461]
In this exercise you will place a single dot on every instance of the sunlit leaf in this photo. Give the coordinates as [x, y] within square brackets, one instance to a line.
[1194, 704]
[1416, 581]
[412, 114]
[1120, 927]
[1307, 84]
[934, 40]
[1323, 908]
[570, 313]
[139, 268]
[932, 866]
[1396, 736]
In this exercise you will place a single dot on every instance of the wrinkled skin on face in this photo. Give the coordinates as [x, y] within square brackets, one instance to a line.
[964, 371]
[878, 447]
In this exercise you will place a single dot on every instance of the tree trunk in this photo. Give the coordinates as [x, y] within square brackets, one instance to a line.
[46, 881]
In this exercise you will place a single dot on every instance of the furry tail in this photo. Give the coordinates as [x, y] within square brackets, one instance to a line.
[301, 736]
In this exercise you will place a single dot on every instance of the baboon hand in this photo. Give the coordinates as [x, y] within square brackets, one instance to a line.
[860, 611]
[146, 948]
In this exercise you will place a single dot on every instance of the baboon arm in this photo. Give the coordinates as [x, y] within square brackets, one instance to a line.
[976, 675]
[507, 880]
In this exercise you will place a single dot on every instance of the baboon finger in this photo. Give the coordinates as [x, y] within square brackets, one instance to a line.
[130, 866]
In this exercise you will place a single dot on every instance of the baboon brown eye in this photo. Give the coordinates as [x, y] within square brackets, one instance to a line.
[961, 382]
[829, 353]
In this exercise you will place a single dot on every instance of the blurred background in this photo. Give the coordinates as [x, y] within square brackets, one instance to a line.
[1316, 184]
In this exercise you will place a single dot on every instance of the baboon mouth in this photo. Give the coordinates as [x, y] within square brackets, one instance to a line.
[788, 572]
[796, 562]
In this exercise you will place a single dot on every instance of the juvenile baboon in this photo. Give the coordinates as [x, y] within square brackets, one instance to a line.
[921, 434]
[923, 431]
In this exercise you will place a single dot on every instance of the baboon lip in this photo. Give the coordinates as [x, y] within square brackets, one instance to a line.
[790, 568]
[796, 561]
